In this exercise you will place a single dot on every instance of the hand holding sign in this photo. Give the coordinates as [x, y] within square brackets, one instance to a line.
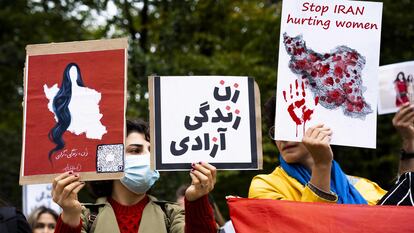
[403, 122]
[65, 193]
[203, 179]
[316, 140]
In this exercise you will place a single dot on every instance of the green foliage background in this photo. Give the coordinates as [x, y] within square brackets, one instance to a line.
[177, 37]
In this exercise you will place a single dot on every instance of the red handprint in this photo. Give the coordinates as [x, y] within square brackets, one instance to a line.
[297, 109]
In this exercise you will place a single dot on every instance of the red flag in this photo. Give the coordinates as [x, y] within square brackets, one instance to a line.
[275, 216]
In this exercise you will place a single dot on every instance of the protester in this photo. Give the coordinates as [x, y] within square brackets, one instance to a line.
[12, 220]
[307, 171]
[124, 206]
[43, 220]
[403, 191]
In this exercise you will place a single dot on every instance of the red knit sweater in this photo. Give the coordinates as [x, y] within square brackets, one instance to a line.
[128, 217]
[199, 217]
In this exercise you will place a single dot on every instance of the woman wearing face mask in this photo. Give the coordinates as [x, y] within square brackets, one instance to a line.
[125, 207]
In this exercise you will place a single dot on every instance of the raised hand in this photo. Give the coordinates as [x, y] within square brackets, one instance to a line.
[65, 193]
[203, 179]
[403, 121]
[316, 140]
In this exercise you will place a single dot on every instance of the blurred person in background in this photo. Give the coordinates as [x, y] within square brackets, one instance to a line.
[43, 220]
[12, 220]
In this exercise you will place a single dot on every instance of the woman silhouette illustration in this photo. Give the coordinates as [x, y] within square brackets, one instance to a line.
[76, 108]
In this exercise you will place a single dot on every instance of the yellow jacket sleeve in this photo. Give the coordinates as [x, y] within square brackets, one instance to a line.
[369, 190]
[280, 186]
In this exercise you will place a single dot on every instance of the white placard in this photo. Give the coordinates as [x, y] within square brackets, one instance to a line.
[204, 118]
[37, 195]
[396, 86]
[328, 68]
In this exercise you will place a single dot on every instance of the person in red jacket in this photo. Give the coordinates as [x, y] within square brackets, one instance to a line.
[126, 207]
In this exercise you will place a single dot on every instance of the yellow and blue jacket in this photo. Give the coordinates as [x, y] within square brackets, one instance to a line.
[279, 185]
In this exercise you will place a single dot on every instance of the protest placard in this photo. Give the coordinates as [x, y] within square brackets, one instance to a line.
[74, 110]
[396, 86]
[328, 70]
[37, 195]
[214, 119]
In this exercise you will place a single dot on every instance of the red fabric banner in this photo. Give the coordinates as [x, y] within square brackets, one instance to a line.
[275, 216]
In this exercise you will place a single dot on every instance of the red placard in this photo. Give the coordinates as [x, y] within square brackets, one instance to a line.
[103, 74]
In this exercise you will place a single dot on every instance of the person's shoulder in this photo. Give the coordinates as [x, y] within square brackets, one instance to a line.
[173, 213]
[276, 185]
[370, 190]
[22, 224]
[100, 202]
[277, 174]
[93, 208]
[361, 182]
[90, 212]
[13, 218]
[166, 206]
[265, 184]
[7, 212]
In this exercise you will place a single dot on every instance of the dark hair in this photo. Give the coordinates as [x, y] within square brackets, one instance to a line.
[61, 108]
[398, 76]
[34, 216]
[103, 188]
[270, 111]
[138, 126]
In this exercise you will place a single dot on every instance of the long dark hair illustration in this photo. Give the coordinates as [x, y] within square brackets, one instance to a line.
[61, 108]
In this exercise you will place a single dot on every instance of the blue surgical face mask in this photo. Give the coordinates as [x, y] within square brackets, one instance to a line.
[138, 176]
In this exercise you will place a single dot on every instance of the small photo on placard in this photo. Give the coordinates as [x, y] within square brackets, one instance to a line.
[396, 86]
